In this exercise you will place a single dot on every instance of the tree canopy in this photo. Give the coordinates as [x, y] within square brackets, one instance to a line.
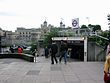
[48, 39]
[84, 27]
[92, 27]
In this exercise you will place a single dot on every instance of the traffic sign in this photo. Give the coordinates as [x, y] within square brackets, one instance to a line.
[75, 23]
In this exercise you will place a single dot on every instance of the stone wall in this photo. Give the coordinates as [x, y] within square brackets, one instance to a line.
[95, 52]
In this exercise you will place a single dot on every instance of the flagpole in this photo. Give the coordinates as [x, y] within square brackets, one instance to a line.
[87, 20]
[78, 28]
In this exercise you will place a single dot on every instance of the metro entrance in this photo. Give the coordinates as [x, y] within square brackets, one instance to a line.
[77, 46]
[77, 50]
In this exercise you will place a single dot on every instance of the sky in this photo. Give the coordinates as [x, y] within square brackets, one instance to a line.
[32, 13]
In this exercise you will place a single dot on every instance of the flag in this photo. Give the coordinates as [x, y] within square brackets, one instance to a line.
[75, 23]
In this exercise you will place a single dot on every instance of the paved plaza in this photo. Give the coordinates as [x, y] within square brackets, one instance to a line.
[20, 71]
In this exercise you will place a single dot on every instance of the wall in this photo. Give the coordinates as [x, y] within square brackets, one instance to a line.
[95, 52]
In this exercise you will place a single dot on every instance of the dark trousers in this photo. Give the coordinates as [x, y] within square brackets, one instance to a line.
[53, 57]
[46, 55]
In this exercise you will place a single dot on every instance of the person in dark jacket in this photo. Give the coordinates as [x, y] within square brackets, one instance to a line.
[46, 52]
[54, 50]
[63, 51]
[11, 49]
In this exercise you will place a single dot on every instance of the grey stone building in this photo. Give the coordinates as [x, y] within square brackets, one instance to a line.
[27, 36]
[45, 28]
[23, 36]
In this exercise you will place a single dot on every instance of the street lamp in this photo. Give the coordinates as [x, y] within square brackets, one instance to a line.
[108, 20]
[87, 21]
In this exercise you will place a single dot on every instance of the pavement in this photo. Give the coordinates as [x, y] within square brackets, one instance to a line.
[20, 71]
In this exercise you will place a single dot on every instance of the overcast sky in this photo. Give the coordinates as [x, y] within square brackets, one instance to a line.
[32, 13]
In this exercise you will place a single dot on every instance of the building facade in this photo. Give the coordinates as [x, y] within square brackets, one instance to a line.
[45, 29]
[23, 36]
[26, 36]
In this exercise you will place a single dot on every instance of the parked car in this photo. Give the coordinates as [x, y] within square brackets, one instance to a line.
[24, 46]
[28, 48]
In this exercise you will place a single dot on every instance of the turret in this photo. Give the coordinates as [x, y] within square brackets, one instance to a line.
[61, 24]
[45, 23]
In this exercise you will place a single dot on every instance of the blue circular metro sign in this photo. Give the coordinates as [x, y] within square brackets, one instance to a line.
[74, 23]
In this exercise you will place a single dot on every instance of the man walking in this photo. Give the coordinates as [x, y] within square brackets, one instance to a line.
[54, 50]
[63, 51]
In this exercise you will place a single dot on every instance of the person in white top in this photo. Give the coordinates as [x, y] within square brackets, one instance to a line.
[108, 48]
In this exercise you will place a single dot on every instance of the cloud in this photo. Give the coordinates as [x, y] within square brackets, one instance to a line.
[8, 14]
[31, 13]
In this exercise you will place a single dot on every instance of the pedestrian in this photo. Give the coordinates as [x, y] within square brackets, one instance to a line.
[107, 69]
[34, 53]
[20, 50]
[11, 49]
[46, 52]
[107, 47]
[54, 50]
[63, 51]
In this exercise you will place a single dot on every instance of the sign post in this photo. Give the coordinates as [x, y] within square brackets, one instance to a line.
[75, 24]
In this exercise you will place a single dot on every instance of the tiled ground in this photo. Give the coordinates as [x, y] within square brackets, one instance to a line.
[19, 71]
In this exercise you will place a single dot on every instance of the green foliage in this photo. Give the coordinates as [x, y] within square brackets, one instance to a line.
[100, 41]
[92, 27]
[108, 34]
[71, 34]
[48, 37]
[33, 46]
[96, 27]
[84, 27]
[105, 34]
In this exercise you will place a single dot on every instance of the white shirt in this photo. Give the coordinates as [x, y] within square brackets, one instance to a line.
[108, 49]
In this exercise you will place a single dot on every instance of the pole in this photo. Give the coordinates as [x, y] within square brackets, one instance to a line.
[0, 44]
[87, 20]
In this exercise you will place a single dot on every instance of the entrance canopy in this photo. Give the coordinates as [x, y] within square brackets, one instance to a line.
[68, 38]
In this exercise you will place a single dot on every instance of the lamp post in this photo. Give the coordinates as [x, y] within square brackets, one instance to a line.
[87, 20]
[108, 20]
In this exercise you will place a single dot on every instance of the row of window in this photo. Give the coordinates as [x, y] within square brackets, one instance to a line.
[25, 32]
[25, 36]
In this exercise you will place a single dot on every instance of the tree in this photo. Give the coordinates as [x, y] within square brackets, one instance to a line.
[33, 47]
[96, 27]
[48, 38]
[84, 27]
[98, 40]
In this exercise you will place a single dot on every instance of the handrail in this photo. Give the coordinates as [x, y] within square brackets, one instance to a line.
[99, 36]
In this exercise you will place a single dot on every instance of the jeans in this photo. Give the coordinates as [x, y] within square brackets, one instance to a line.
[63, 54]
